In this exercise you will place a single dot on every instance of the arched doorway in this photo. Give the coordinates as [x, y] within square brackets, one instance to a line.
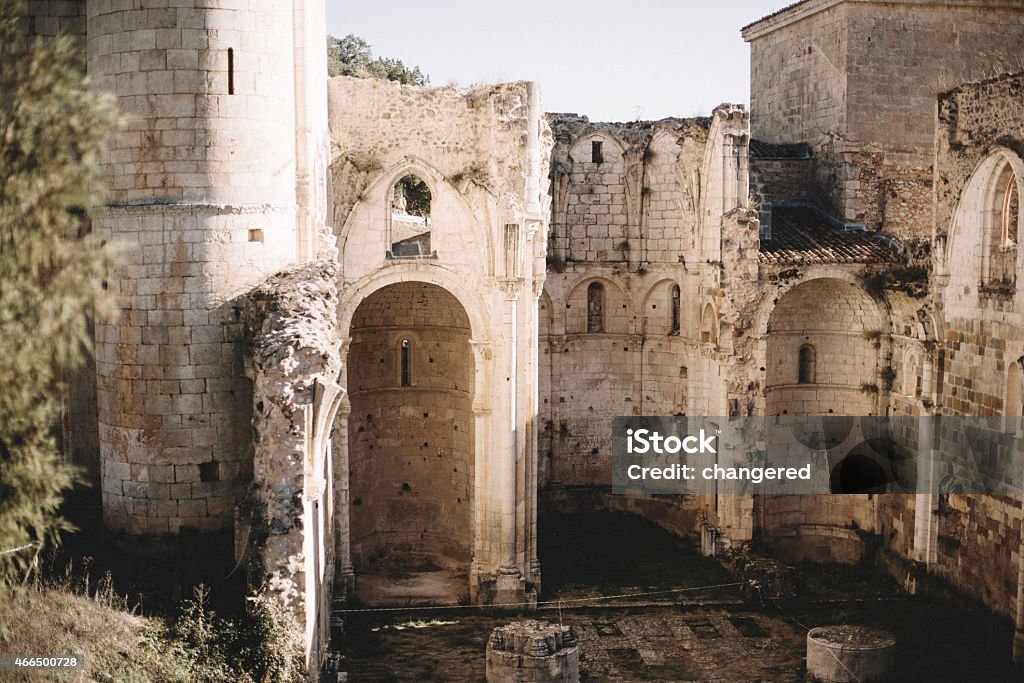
[410, 433]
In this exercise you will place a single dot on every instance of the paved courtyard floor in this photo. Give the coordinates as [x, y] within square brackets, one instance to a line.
[692, 633]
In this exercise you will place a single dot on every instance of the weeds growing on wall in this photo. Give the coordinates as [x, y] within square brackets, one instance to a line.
[263, 645]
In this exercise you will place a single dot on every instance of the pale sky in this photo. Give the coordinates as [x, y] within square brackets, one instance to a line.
[612, 61]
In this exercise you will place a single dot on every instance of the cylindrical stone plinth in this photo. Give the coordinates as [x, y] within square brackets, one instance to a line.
[533, 652]
[849, 654]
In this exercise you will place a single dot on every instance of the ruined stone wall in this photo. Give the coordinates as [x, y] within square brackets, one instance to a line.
[978, 547]
[856, 80]
[974, 120]
[982, 324]
[627, 221]
[786, 179]
[896, 522]
[285, 527]
[980, 130]
[482, 152]
[466, 145]
[818, 528]
[771, 313]
[625, 193]
[411, 438]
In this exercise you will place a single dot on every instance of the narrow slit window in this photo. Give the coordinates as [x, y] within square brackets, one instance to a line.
[596, 154]
[675, 310]
[231, 71]
[807, 365]
[405, 363]
[595, 307]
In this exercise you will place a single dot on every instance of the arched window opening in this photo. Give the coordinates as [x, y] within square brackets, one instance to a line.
[410, 218]
[709, 325]
[405, 379]
[1013, 405]
[807, 362]
[910, 384]
[595, 307]
[1010, 212]
[675, 309]
[1002, 218]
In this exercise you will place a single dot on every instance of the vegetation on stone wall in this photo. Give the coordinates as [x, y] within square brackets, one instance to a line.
[353, 56]
[912, 280]
[263, 645]
[52, 130]
[70, 613]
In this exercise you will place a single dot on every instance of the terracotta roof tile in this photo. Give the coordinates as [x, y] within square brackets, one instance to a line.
[803, 235]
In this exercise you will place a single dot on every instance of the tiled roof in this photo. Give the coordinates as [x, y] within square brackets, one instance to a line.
[802, 235]
[767, 150]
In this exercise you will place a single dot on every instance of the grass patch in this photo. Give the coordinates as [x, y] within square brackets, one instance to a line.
[117, 645]
[72, 614]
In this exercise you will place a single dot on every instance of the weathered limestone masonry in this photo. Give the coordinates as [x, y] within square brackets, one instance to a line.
[295, 361]
[630, 312]
[856, 80]
[974, 542]
[54, 17]
[402, 429]
[439, 432]
[938, 336]
[200, 223]
[806, 339]
[689, 270]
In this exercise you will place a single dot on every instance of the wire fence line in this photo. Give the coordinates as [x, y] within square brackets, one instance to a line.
[544, 604]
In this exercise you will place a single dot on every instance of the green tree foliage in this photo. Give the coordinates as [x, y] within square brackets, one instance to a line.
[52, 130]
[412, 196]
[352, 56]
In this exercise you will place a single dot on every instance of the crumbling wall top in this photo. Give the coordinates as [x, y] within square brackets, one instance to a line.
[294, 309]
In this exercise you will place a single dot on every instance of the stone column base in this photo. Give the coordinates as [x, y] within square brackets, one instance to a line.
[344, 583]
[507, 587]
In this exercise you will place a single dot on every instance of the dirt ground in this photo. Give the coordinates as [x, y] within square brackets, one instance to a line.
[708, 634]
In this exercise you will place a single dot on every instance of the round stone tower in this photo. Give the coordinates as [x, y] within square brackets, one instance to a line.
[203, 201]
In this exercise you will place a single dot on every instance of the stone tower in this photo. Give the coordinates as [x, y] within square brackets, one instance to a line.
[217, 180]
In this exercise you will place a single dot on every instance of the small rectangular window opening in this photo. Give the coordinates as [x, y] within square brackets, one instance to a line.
[405, 363]
[231, 71]
[595, 152]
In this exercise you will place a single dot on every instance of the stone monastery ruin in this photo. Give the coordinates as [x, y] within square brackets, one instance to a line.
[365, 323]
